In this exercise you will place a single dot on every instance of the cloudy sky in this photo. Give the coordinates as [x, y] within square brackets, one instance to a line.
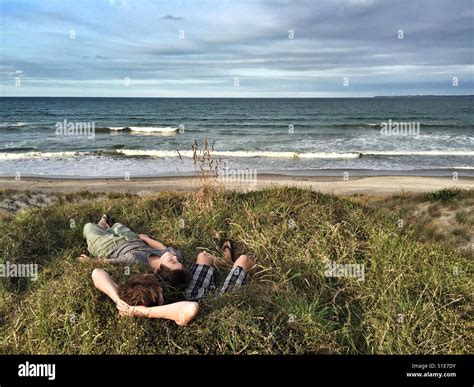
[258, 48]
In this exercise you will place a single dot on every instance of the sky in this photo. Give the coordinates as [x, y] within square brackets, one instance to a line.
[221, 48]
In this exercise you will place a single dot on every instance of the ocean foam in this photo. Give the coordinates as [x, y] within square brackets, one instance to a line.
[242, 154]
[38, 155]
[232, 154]
[7, 124]
[419, 153]
[146, 129]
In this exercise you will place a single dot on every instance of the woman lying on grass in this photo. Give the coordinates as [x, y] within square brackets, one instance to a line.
[141, 296]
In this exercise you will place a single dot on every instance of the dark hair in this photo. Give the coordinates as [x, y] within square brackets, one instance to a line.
[141, 289]
[178, 278]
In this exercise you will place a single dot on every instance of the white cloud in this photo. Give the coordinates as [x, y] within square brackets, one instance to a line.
[17, 73]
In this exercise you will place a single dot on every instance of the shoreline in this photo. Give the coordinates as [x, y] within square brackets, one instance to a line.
[372, 185]
[319, 173]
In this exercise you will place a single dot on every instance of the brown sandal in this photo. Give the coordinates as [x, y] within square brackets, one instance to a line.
[231, 248]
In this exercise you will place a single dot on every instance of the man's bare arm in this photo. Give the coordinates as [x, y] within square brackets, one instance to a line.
[154, 244]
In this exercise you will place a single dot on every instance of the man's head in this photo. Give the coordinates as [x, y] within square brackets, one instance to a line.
[170, 261]
[173, 271]
[141, 289]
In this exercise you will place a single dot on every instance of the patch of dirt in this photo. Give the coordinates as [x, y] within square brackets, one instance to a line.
[12, 200]
[16, 201]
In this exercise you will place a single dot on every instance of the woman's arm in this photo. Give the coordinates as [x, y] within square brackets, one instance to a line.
[106, 284]
[182, 313]
[151, 242]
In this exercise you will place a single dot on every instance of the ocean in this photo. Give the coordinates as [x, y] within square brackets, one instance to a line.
[113, 137]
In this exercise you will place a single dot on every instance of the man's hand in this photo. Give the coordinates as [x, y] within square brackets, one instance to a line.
[143, 237]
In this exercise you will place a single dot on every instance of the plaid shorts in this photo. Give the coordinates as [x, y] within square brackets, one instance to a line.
[203, 281]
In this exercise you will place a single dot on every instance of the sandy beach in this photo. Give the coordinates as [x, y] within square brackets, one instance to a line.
[373, 185]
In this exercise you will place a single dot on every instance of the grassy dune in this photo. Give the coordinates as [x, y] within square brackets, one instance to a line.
[411, 301]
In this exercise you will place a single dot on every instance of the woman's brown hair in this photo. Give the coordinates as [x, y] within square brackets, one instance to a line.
[141, 289]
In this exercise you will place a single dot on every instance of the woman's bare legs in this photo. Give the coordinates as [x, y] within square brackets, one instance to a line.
[203, 275]
[205, 258]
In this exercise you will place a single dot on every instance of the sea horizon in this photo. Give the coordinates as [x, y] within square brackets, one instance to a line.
[91, 137]
[256, 97]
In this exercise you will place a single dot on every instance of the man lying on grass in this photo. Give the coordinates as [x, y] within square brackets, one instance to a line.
[118, 243]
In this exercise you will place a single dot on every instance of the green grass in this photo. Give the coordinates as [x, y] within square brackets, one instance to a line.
[412, 299]
[446, 195]
[433, 217]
